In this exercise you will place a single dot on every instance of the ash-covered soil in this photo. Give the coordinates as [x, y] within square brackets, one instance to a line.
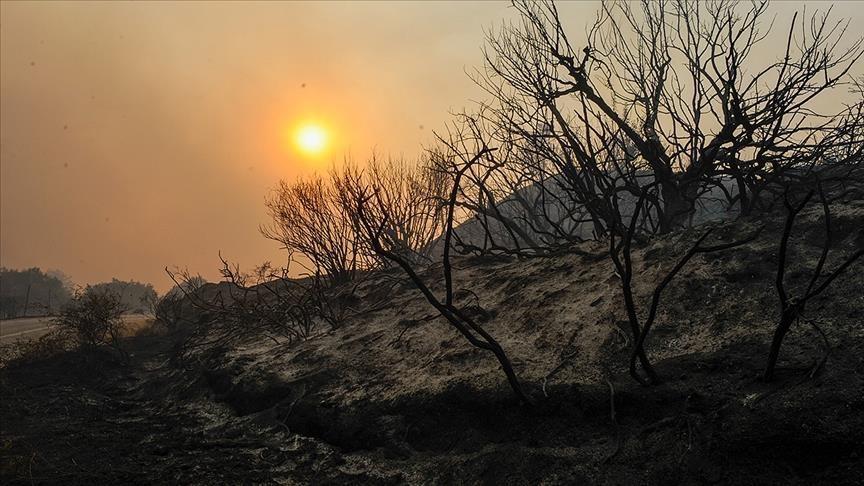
[395, 396]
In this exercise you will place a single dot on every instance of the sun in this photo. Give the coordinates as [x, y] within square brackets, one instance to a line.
[311, 139]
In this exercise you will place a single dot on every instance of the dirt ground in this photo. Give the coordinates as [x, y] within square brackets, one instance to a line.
[395, 396]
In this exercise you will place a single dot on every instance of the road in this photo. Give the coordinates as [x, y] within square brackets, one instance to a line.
[12, 330]
[23, 328]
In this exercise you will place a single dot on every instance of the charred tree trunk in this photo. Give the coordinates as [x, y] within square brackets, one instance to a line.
[789, 316]
[793, 307]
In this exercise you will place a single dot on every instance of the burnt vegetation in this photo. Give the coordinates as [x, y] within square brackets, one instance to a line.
[662, 122]
[662, 143]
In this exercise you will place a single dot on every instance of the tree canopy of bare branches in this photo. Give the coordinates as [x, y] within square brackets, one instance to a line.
[307, 218]
[667, 93]
[314, 218]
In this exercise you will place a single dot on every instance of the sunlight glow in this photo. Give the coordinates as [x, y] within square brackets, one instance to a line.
[311, 139]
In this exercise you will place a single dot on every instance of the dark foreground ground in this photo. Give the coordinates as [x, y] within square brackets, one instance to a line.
[394, 396]
[128, 425]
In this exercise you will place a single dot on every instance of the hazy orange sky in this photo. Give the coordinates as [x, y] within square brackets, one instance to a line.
[139, 135]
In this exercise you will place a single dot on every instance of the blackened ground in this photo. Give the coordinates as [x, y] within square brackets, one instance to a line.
[76, 420]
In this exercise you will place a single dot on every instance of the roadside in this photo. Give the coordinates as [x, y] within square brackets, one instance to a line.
[13, 330]
[23, 327]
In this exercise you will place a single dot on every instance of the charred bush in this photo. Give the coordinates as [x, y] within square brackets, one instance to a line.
[93, 319]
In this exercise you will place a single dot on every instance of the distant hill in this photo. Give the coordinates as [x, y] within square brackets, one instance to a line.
[538, 215]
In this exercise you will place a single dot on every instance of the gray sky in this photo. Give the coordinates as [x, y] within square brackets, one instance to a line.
[139, 135]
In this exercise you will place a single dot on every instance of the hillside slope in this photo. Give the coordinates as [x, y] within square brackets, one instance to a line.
[401, 395]
[394, 395]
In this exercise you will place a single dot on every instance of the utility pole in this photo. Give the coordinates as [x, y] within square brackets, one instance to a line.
[27, 299]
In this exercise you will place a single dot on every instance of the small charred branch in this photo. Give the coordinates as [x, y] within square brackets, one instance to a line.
[792, 307]
[265, 302]
[620, 254]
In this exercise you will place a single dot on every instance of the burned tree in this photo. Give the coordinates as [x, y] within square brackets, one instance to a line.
[308, 219]
[620, 252]
[313, 219]
[411, 193]
[662, 121]
[517, 203]
[792, 306]
[666, 93]
[376, 223]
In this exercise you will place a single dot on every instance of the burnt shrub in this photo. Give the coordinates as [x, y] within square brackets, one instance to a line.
[93, 319]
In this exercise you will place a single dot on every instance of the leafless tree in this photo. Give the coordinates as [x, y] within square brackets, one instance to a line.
[792, 306]
[512, 202]
[411, 193]
[307, 218]
[167, 309]
[664, 111]
[313, 218]
[377, 224]
[620, 251]
[665, 93]
[266, 302]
